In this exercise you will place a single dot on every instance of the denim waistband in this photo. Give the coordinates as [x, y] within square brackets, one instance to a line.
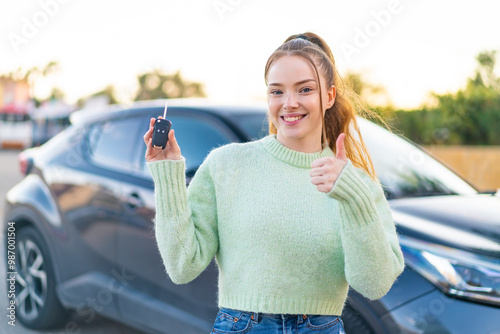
[300, 317]
[254, 316]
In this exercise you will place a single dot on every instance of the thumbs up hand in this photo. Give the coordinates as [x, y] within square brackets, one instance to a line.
[325, 171]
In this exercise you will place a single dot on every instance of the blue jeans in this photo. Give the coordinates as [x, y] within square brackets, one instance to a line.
[230, 321]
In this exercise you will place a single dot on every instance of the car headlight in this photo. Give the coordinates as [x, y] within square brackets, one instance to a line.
[456, 272]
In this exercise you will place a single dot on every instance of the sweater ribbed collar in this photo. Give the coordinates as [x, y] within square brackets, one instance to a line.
[292, 157]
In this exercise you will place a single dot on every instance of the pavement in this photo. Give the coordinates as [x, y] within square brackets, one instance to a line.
[9, 176]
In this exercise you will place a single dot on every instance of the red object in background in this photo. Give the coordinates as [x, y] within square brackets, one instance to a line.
[25, 160]
[13, 108]
[23, 163]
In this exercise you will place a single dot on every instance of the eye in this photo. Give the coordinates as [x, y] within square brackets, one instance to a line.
[275, 92]
[306, 90]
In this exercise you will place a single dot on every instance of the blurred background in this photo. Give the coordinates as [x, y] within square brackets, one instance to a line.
[429, 68]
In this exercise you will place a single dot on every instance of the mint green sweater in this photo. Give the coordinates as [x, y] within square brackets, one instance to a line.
[281, 246]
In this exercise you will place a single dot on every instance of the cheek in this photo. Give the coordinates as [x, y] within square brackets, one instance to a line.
[315, 107]
[274, 107]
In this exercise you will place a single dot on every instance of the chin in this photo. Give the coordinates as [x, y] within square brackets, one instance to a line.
[291, 135]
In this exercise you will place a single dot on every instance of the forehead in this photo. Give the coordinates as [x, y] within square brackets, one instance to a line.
[290, 68]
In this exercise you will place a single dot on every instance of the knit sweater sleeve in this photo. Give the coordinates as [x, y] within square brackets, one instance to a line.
[372, 255]
[186, 219]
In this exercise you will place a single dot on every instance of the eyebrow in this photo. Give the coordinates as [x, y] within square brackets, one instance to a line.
[296, 84]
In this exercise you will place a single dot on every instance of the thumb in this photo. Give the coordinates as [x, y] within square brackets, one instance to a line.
[340, 154]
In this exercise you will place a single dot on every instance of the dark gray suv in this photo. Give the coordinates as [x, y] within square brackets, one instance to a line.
[83, 217]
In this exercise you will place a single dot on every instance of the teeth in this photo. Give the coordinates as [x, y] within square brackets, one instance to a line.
[292, 119]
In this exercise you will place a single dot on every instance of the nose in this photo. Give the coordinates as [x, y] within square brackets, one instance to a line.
[291, 102]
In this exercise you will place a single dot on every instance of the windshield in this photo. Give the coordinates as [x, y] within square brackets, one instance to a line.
[407, 171]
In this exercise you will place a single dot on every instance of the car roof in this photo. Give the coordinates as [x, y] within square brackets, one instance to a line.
[84, 116]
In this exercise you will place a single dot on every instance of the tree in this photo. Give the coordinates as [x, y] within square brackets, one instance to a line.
[33, 74]
[156, 84]
[56, 94]
[466, 117]
[372, 94]
[109, 92]
[485, 72]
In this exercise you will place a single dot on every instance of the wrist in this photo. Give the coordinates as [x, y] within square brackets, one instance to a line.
[173, 157]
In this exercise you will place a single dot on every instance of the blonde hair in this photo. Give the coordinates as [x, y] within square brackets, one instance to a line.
[341, 117]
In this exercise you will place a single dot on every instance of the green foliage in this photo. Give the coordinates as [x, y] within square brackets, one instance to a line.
[56, 94]
[109, 92]
[470, 116]
[155, 85]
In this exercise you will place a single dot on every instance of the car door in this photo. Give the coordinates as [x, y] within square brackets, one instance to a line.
[150, 299]
[87, 188]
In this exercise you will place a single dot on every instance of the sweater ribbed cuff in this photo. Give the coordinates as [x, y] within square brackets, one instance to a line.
[170, 187]
[355, 197]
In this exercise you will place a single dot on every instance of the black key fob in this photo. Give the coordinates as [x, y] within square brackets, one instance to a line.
[160, 133]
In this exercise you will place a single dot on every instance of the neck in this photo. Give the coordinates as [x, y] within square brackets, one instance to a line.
[291, 156]
[301, 145]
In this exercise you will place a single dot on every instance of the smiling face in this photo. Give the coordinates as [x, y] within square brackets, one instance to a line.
[294, 103]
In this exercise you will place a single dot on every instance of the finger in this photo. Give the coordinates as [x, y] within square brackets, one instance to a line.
[151, 126]
[341, 147]
[317, 180]
[149, 146]
[321, 185]
[319, 162]
[317, 171]
[149, 149]
[324, 188]
[148, 134]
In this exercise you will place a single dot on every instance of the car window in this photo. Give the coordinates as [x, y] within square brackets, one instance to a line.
[112, 143]
[196, 137]
[59, 144]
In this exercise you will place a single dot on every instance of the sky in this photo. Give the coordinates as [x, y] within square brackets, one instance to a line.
[410, 47]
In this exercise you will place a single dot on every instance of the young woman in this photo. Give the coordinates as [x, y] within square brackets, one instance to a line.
[293, 219]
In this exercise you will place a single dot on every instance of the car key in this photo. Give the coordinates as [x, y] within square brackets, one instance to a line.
[161, 130]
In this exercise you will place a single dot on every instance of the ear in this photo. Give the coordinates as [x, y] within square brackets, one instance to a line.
[332, 93]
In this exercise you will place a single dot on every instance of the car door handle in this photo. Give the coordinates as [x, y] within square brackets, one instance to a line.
[134, 201]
